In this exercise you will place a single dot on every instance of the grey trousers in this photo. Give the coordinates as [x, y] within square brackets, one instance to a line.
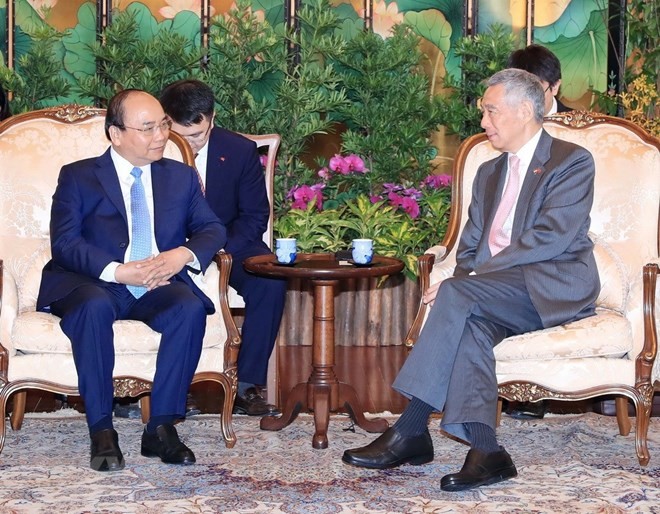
[452, 366]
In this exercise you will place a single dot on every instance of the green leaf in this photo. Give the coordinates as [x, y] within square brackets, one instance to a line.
[78, 60]
[583, 59]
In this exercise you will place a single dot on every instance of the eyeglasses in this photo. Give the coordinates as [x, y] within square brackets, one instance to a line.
[547, 88]
[163, 126]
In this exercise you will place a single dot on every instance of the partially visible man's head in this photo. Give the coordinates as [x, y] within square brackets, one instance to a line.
[191, 105]
[512, 109]
[137, 126]
[541, 62]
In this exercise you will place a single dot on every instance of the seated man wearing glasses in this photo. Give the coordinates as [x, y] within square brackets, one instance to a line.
[233, 178]
[125, 229]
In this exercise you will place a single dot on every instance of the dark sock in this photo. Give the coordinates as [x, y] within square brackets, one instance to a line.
[243, 387]
[103, 424]
[414, 419]
[482, 437]
[157, 421]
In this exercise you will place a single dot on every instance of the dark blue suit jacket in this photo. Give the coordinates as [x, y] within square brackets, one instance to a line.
[88, 226]
[236, 191]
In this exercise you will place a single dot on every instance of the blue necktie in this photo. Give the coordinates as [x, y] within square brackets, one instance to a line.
[140, 227]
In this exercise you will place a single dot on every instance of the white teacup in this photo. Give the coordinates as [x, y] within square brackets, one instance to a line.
[285, 250]
[363, 251]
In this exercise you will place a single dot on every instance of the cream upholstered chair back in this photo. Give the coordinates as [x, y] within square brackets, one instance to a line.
[614, 351]
[34, 352]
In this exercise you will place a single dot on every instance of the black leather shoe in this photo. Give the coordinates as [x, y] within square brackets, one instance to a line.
[191, 406]
[390, 450]
[254, 404]
[105, 452]
[527, 410]
[165, 443]
[480, 469]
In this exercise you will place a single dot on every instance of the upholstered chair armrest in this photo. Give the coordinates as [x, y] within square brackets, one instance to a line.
[8, 312]
[647, 367]
[224, 263]
[438, 251]
[424, 267]
[434, 266]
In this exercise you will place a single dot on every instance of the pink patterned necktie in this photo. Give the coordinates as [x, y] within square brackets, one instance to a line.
[498, 239]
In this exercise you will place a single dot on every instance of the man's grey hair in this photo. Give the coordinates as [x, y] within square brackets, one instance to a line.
[520, 85]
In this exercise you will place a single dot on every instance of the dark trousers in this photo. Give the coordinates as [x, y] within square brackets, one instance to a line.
[452, 366]
[174, 310]
[264, 305]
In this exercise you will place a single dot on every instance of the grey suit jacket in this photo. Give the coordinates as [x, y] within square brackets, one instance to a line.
[549, 239]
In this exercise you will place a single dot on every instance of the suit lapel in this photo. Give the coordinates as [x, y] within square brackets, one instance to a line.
[495, 183]
[161, 192]
[533, 176]
[107, 177]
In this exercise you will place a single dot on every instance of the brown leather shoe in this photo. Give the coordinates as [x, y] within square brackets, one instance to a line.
[105, 452]
[254, 404]
[480, 469]
[390, 450]
[165, 443]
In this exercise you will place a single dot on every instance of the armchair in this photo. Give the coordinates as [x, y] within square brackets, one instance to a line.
[34, 352]
[613, 352]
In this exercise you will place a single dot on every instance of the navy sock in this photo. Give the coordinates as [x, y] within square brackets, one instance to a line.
[103, 424]
[243, 387]
[414, 419]
[482, 437]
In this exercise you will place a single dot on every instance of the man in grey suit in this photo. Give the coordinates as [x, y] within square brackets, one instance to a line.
[524, 262]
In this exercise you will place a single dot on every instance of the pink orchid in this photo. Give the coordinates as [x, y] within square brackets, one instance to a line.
[355, 163]
[437, 181]
[304, 194]
[339, 164]
[325, 173]
[410, 205]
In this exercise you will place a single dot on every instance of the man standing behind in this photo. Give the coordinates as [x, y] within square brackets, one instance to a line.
[233, 178]
[125, 228]
[524, 262]
[541, 62]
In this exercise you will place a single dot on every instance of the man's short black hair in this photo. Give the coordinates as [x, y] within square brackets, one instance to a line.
[538, 60]
[188, 101]
[114, 115]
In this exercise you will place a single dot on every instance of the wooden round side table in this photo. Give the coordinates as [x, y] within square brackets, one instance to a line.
[323, 393]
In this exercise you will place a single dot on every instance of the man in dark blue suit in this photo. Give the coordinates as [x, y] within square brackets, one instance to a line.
[230, 170]
[104, 211]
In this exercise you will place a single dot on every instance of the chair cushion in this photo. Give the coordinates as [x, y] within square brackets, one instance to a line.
[40, 332]
[607, 334]
[614, 284]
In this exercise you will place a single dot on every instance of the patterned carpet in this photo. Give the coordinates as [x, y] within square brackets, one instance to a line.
[571, 464]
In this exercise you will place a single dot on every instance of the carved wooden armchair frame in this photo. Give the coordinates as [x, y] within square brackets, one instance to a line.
[75, 132]
[629, 291]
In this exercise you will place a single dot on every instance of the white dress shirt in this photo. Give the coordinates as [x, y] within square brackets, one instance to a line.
[123, 169]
